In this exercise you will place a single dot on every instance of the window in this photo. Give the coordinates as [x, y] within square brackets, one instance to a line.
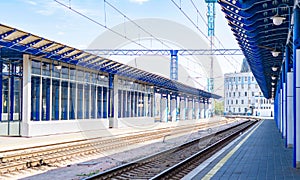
[55, 99]
[236, 101]
[93, 101]
[64, 100]
[239, 109]
[99, 102]
[252, 78]
[239, 94]
[246, 78]
[45, 99]
[35, 98]
[256, 86]
[253, 94]
[87, 101]
[105, 102]
[79, 101]
[245, 93]
[72, 100]
[242, 101]
[233, 94]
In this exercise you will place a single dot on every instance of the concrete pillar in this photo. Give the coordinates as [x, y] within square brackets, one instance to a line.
[182, 108]
[196, 110]
[190, 109]
[297, 110]
[26, 109]
[280, 110]
[173, 108]
[163, 109]
[296, 60]
[201, 109]
[290, 112]
[283, 110]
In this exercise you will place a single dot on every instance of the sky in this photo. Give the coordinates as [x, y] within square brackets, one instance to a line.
[49, 19]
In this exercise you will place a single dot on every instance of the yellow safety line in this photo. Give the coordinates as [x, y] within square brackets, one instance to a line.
[215, 169]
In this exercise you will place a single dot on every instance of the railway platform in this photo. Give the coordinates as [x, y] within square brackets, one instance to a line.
[258, 154]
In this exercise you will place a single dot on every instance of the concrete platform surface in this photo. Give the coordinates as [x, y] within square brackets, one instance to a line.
[259, 154]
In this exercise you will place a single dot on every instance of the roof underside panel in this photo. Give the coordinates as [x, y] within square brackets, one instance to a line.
[34, 45]
[252, 25]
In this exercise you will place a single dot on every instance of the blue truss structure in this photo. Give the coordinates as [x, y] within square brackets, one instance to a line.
[164, 52]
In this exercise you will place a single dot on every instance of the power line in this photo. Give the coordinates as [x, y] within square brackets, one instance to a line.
[137, 25]
[197, 27]
[98, 23]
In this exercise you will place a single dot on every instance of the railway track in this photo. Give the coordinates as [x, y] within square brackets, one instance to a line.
[47, 155]
[176, 162]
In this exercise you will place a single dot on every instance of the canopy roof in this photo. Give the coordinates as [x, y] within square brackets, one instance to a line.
[32, 44]
[251, 22]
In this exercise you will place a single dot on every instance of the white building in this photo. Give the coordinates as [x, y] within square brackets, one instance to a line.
[242, 95]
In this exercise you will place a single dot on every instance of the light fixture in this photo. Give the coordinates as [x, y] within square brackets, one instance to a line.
[273, 83]
[277, 20]
[58, 67]
[275, 53]
[274, 68]
[273, 77]
[102, 76]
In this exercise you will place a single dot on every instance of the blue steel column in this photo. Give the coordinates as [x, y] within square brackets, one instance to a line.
[174, 65]
[1, 69]
[111, 95]
[296, 61]
[204, 107]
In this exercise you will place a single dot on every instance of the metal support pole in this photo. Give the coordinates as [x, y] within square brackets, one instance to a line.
[1, 75]
[174, 65]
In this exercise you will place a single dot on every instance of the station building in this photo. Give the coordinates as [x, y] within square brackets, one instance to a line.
[243, 96]
[50, 88]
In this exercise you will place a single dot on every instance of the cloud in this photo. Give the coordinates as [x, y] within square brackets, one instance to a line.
[139, 1]
[31, 2]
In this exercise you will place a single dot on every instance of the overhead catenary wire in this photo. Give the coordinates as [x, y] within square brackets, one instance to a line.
[100, 24]
[115, 32]
[137, 25]
[197, 27]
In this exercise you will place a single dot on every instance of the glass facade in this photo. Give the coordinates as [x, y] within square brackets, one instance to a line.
[11, 79]
[66, 93]
[135, 100]
[70, 93]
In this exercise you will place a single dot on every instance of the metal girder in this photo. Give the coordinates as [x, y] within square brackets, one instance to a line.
[163, 52]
